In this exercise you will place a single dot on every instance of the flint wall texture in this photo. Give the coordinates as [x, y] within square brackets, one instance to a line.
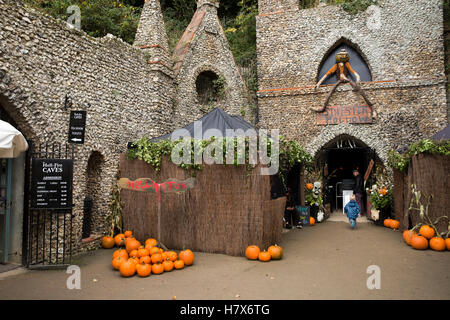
[400, 42]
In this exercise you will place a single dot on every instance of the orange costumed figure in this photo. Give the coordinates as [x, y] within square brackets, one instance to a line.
[342, 69]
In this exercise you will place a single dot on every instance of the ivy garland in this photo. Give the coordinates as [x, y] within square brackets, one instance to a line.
[290, 152]
[401, 161]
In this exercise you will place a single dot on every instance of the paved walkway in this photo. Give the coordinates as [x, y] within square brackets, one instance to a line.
[326, 261]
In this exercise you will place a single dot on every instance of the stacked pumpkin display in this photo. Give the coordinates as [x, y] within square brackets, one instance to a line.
[425, 238]
[132, 257]
[391, 223]
[274, 252]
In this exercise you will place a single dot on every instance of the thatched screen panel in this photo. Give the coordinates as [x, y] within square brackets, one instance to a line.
[229, 209]
[430, 173]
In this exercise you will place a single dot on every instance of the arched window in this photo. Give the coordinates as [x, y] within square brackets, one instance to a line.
[207, 88]
[356, 61]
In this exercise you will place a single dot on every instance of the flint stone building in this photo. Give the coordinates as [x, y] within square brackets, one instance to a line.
[142, 90]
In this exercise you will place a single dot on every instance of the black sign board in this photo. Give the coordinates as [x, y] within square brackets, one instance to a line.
[51, 183]
[77, 126]
[304, 214]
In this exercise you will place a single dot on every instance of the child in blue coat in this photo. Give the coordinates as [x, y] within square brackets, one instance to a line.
[352, 210]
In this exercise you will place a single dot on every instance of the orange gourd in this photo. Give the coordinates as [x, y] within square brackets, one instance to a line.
[178, 264]
[145, 259]
[143, 269]
[157, 268]
[153, 250]
[133, 254]
[117, 261]
[419, 242]
[132, 244]
[168, 265]
[120, 253]
[309, 186]
[407, 236]
[252, 252]
[447, 243]
[276, 252]
[437, 244]
[151, 242]
[187, 256]
[127, 268]
[108, 242]
[142, 252]
[426, 231]
[172, 256]
[394, 224]
[312, 221]
[128, 233]
[157, 258]
[119, 240]
[387, 223]
[264, 256]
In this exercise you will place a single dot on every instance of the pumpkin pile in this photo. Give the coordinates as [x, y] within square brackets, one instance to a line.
[425, 239]
[274, 252]
[391, 223]
[132, 257]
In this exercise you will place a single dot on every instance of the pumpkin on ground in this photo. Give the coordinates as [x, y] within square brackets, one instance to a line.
[426, 231]
[252, 252]
[117, 261]
[132, 244]
[264, 256]
[276, 252]
[157, 268]
[168, 265]
[108, 242]
[437, 244]
[395, 224]
[309, 186]
[407, 236]
[157, 258]
[128, 233]
[312, 221]
[133, 254]
[143, 269]
[119, 240]
[387, 222]
[120, 253]
[127, 268]
[178, 264]
[447, 243]
[419, 242]
[172, 256]
[187, 256]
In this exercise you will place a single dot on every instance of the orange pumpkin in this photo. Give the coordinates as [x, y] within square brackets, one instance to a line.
[437, 244]
[120, 253]
[187, 256]
[172, 256]
[178, 264]
[276, 252]
[252, 252]
[145, 259]
[128, 233]
[157, 268]
[264, 256]
[309, 186]
[143, 252]
[407, 236]
[387, 223]
[133, 254]
[447, 243]
[395, 224]
[382, 191]
[157, 258]
[134, 259]
[108, 242]
[119, 240]
[312, 221]
[168, 266]
[127, 268]
[117, 261]
[151, 242]
[419, 242]
[132, 244]
[153, 250]
[143, 269]
[426, 231]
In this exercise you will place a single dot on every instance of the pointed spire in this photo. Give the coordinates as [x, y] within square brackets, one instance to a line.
[151, 34]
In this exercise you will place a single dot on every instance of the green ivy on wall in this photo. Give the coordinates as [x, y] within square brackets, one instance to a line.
[401, 161]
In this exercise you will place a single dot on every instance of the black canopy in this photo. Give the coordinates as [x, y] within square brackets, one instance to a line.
[216, 119]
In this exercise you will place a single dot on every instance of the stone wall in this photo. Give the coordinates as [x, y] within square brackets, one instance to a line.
[404, 52]
[204, 47]
[42, 61]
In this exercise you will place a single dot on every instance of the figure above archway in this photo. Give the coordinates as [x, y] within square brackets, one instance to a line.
[343, 72]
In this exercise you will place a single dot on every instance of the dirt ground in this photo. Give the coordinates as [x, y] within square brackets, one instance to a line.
[326, 261]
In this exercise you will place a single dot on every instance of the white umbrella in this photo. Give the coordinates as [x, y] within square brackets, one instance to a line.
[12, 142]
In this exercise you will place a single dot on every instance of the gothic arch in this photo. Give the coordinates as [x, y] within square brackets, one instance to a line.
[367, 135]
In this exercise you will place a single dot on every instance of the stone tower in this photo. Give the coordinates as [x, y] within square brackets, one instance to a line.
[201, 57]
[151, 35]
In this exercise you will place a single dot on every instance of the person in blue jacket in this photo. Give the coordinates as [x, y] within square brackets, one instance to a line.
[352, 210]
